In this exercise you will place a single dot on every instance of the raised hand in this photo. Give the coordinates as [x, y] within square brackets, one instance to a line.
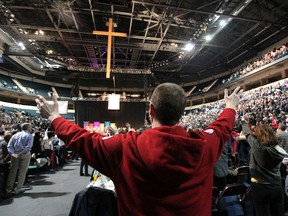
[233, 100]
[46, 109]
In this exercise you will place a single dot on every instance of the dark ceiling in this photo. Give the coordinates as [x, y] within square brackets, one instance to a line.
[60, 46]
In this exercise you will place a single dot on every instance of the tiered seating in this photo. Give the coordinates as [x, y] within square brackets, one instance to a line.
[63, 92]
[6, 82]
[39, 89]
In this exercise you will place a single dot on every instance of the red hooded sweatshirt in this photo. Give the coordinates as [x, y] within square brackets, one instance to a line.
[164, 171]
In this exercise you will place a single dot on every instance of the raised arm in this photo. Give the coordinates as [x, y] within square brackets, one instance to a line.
[233, 100]
[49, 111]
[252, 141]
[93, 148]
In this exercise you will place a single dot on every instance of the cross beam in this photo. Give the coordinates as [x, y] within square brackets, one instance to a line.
[110, 33]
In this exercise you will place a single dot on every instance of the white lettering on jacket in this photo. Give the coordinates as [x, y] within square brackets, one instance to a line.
[209, 131]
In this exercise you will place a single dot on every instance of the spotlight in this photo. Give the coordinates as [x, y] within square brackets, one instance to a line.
[189, 47]
[49, 52]
[208, 37]
[222, 23]
[21, 45]
[41, 32]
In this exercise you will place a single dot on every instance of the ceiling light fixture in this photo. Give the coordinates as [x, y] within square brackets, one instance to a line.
[21, 45]
[49, 52]
[189, 47]
[208, 37]
[222, 23]
[113, 70]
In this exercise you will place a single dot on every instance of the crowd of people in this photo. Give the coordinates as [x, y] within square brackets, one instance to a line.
[259, 62]
[262, 105]
[143, 164]
[266, 105]
[261, 123]
[47, 150]
[22, 146]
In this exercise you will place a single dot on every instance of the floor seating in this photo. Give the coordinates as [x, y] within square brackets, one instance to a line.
[229, 201]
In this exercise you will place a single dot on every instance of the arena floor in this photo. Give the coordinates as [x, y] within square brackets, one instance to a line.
[52, 193]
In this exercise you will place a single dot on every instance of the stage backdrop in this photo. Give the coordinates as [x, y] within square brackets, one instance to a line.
[132, 112]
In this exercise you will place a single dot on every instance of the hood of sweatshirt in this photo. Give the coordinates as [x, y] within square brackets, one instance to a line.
[171, 153]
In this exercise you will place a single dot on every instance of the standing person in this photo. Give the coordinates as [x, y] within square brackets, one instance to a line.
[48, 148]
[4, 162]
[221, 168]
[47, 144]
[282, 136]
[36, 148]
[61, 151]
[84, 165]
[165, 170]
[19, 148]
[274, 122]
[243, 149]
[265, 160]
[4, 154]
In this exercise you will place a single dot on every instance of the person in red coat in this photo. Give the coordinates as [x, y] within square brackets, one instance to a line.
[274, 123]
[165, 170]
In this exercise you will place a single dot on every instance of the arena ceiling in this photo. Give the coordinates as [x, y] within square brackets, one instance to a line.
[54, 39]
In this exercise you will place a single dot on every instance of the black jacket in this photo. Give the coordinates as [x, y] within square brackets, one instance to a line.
[94, 201]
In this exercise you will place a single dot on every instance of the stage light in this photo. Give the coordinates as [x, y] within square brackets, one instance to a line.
[135, 95]
[49, 52]
[21, 45]
[208, 37]
[39, 32]
[189, 47]
[222, 23]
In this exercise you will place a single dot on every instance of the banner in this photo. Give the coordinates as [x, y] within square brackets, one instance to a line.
[113, 102]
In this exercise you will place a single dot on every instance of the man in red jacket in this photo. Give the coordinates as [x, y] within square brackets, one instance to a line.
[165, 170]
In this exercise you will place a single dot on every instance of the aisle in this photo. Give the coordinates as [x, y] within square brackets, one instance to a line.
[52, 193]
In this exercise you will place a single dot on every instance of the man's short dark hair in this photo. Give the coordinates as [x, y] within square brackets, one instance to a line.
[169, 101]
[25, 126]
[282, 127]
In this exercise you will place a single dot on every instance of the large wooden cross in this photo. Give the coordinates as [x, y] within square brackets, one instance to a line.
[110, 33]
